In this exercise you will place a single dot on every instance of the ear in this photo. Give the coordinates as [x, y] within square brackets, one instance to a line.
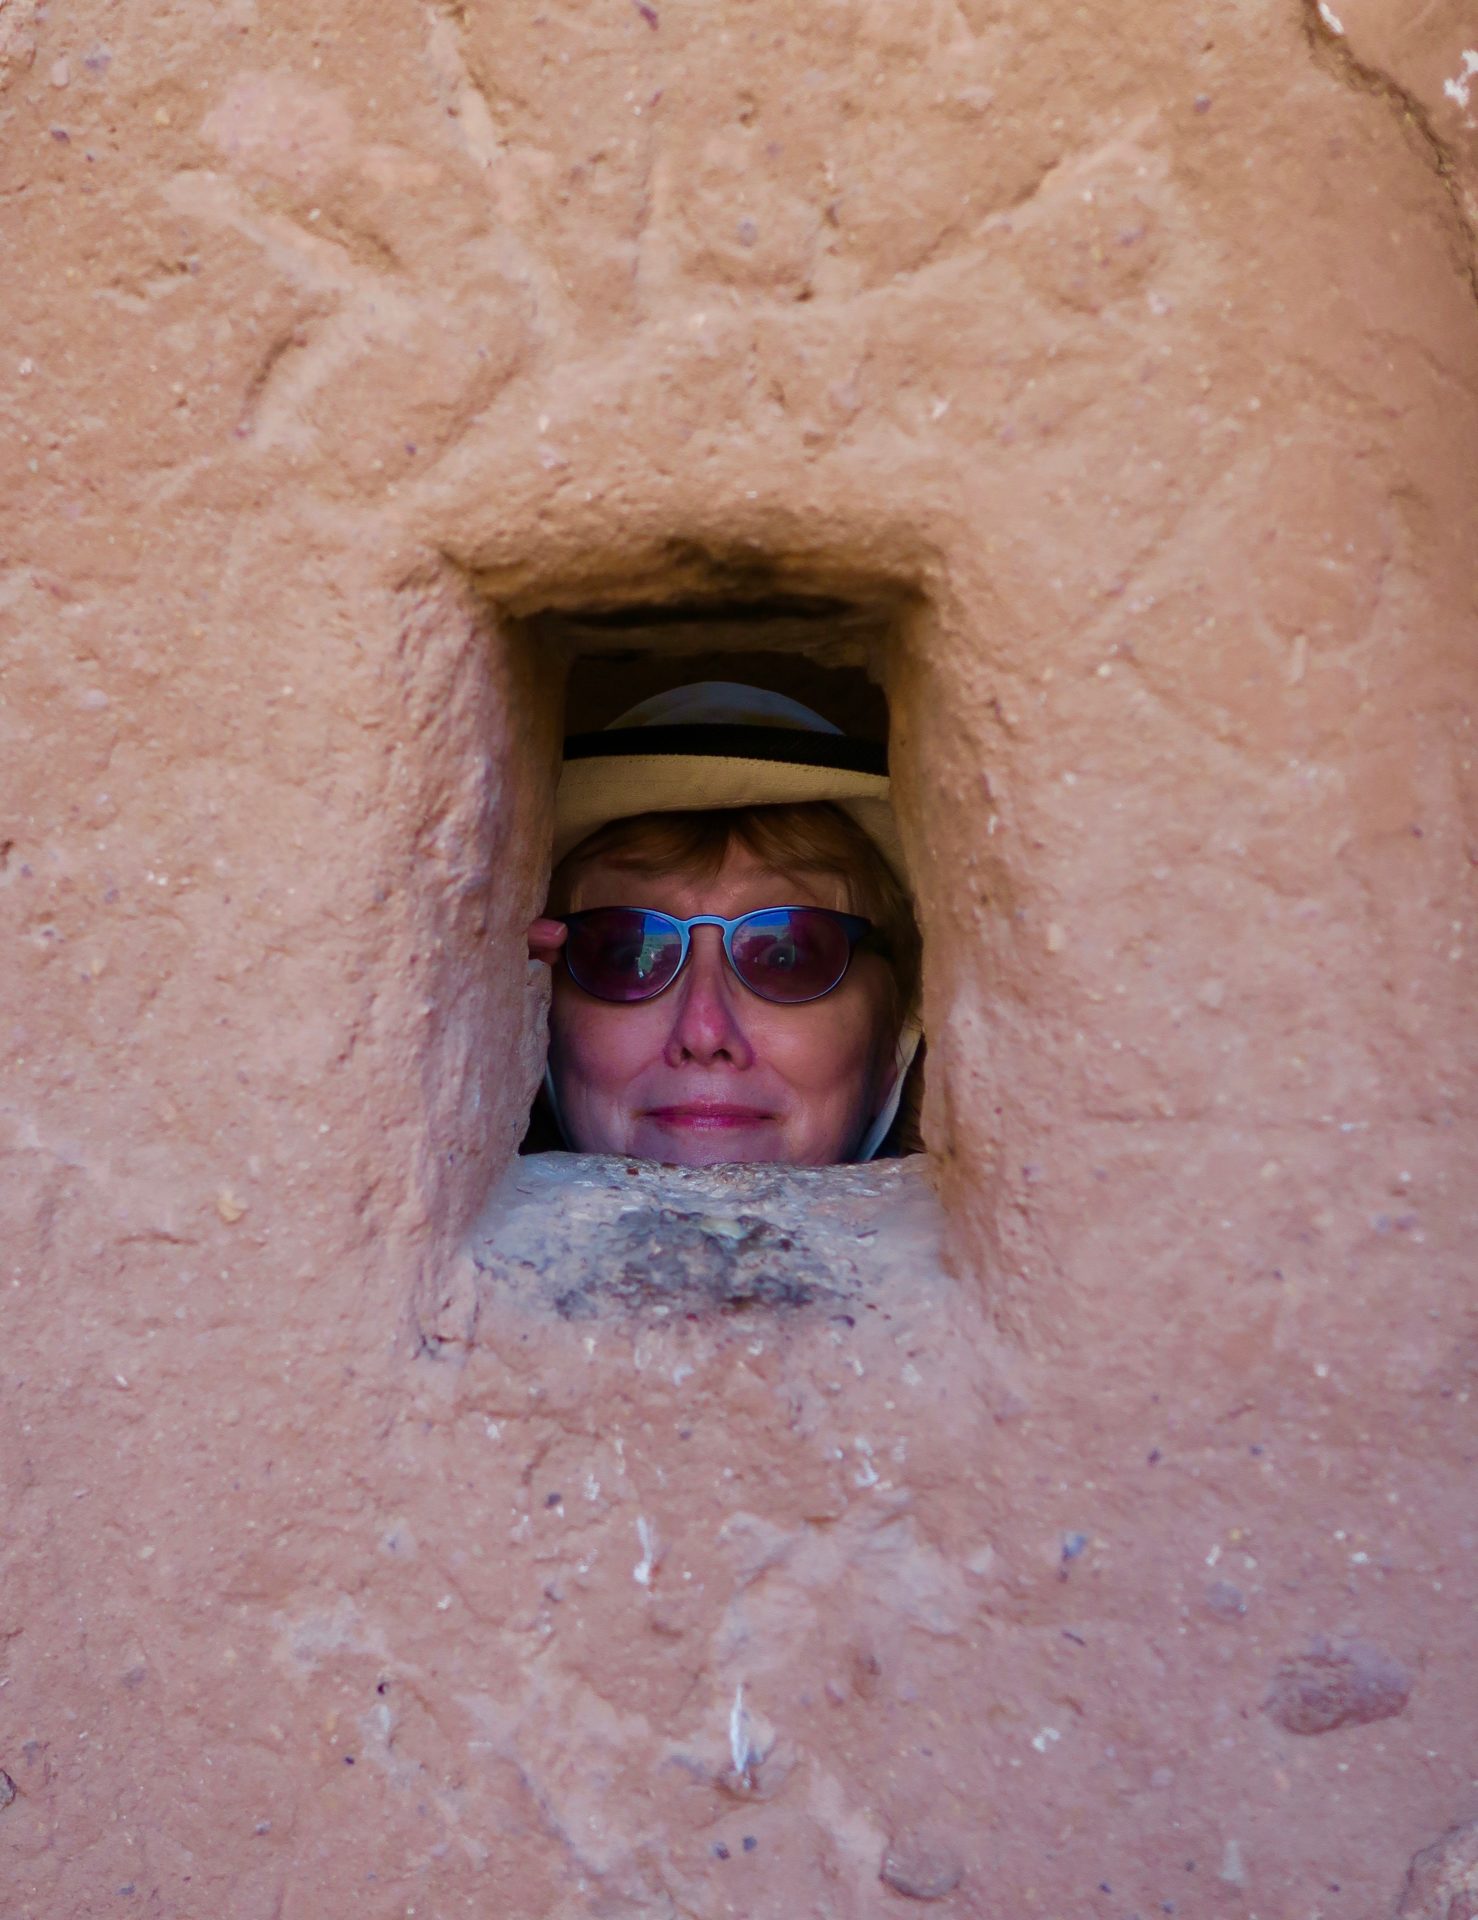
[546, 937]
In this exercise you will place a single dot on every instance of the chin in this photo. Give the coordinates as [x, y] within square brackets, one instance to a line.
[699, 1153]
[679, 1147]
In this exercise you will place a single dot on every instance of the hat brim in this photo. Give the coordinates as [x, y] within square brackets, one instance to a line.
[600, 788]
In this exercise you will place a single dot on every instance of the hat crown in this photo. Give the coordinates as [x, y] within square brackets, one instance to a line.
[728, 703]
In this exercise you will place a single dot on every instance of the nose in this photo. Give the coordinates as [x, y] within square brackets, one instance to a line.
[707, 1027]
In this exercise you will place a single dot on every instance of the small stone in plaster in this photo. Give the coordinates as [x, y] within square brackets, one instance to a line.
[641, 1573]
[1443, 1881]
[1333, 1685]
[921, 1869]
[739, 1749]
[1460, 86]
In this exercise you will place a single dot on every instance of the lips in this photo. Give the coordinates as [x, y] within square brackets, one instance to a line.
[709, 1117]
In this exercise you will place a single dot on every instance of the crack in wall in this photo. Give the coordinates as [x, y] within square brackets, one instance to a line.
[1329, 43]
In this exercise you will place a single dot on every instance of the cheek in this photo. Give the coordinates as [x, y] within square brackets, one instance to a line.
[826, 1048]
[598, 1047]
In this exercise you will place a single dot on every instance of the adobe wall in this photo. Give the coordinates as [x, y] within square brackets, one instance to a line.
[1110, 1547]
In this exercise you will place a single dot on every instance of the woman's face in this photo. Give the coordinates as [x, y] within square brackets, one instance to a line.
[707, 1071]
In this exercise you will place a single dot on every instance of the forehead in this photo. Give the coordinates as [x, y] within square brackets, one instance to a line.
[741, 884]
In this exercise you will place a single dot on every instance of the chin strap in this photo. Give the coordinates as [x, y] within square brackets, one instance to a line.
[908, 1045]
[553, 1098]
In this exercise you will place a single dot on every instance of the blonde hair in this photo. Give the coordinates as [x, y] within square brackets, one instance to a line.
[810, 837]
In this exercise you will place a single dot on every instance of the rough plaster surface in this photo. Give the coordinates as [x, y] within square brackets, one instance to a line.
[1131, 353]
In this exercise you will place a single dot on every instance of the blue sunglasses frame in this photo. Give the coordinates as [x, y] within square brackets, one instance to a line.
[853, 925]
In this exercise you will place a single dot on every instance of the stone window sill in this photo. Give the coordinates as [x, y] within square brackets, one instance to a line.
[581, 1235]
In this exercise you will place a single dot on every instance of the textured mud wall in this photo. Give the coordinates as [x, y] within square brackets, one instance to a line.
[1119, 1556]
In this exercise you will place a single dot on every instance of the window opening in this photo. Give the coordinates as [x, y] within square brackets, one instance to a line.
[830, 652]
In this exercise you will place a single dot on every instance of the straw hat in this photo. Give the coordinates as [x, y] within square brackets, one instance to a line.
[718, 744]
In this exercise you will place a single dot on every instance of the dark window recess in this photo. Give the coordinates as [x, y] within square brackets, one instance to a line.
[826, 650]
[827, 653]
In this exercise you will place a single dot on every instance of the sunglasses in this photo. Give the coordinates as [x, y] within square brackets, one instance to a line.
[785, 954]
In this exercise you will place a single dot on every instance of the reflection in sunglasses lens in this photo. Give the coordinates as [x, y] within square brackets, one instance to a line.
[619, 953]
[795, 954]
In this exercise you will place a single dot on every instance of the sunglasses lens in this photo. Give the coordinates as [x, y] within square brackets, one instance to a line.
[622, 953]
[791, 953]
